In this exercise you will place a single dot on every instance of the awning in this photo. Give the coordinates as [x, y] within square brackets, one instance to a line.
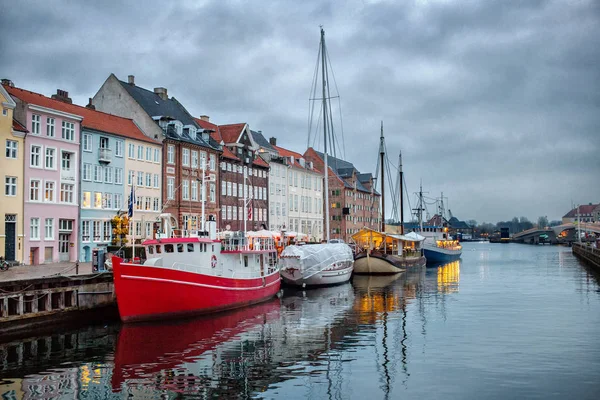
[410, 237]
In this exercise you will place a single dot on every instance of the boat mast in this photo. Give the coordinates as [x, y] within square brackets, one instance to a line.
[421, 206]
[382, 156]
[401, 196]
[326, 169]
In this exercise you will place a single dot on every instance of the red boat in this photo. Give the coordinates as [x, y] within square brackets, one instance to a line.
[196, 273]
[145, 351]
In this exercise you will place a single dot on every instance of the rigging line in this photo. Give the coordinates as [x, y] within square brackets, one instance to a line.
[339, 104]
[394, 199]
[331, 137]
[313, 92]
[406, 191]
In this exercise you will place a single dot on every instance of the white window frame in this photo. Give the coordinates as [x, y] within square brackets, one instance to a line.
[131, 151]
[86, 142]
[148, 180]
[51, 158]
[108, 174]
[194, 196]
[52, 191]
[157, 156]
[185, 157]
[119, 148]
[86, 172]
[170, 154]
[148, 154]
[156, 181]
[89, 199]
[10, 186]
[194, 158]
[118, 176]
[34, 231]
[170, 188]
[185, 189]
[38, 190]
[140, 152]
[67, 189]
[68, 131]
[98, 174]
[48, 228]
[35, 124]
[12, 149]
[70, 160]
[85, 231]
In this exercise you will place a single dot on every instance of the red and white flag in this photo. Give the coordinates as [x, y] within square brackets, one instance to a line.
[249, 213]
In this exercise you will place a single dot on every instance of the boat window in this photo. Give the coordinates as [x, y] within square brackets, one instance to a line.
[245, 261]
[169, 248]
[190, 247]
[180, 247]
[158, 249]
[150, 250]
[213, 248]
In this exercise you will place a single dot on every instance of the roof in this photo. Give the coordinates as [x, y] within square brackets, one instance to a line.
[261, 141]
[230, 133]
[229, 154]
[582, 209]
[215, 134]
[19, 127]
[92, 119]
[260, 162]
[297, 156]
[170, 108]
[366, 177]
[345, 169]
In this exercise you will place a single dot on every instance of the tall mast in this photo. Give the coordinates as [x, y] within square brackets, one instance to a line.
[421, 206]
[401, 196]
[326, 169]
[382, 156]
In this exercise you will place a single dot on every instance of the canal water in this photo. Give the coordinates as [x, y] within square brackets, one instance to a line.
[507, 321]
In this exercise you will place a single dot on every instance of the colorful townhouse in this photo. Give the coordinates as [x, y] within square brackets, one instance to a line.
[353, 201]
[12, 134]
[115, 155]
[243, 180]
[51, 175]
[304, 194]
[189, 155]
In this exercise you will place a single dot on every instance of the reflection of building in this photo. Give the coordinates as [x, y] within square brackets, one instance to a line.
[448, 277]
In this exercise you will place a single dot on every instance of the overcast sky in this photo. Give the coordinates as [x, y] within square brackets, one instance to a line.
[494, 103]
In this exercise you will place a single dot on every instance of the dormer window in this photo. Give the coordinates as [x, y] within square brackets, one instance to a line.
[179, 128]
[193, 133]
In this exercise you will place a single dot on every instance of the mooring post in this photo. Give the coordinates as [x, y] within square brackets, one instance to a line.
[76, 267]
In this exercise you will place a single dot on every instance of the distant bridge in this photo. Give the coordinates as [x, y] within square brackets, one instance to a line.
[564, 233]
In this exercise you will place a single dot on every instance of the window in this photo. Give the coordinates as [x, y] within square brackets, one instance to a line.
[35, 124]
[107, 201]
[107, 230]
[156, 155]
[131, 151]
[194, 159]
[156, 181]
[104, 143]
[213, 193]
[68, 131]
[66, 159]
[171, 154]
[234, 215]
[234, 191]
[149, 231]
[185, 157]
[148, 203]
[148, 154]
[264, 193]
[140, 179]
[97, 173]
[130, 177]
[140, 152]
[138, 202]
[97, 200]
[97, 230]
[194, 190]
[65, 225]
[50, 127]
[213, 162]
[49, 191]
[10, 186]
[156, 204]
[203, 160]
[170, 188]
[11, 149]
[86, 200]
[85, 231]
[224, 213]
[34, 233]
[119, 176]
[34, 190]
[49, 164]
[119, 148]
[5, 111]
[86, 172]
[66, 192]
[223, 188]
[49, 229]
[229, 212]
[118, 201]
[240, 213]
[36, 154]
[148, 180]
[185, 189]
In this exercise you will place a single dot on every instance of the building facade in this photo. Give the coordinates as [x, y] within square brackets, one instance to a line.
[12, 134]
[244, 179]
[187, 148]
[584, 213]
[51, 176]
[353, 201]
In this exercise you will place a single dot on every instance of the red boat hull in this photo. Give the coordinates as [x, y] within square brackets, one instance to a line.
[146, 293]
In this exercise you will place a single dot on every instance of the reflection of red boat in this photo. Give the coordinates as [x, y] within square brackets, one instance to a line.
[144, 350]
[196, 274]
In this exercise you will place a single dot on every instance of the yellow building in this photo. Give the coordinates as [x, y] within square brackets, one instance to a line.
[12, 135]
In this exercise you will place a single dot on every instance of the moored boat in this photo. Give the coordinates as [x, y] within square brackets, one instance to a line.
[196, 273]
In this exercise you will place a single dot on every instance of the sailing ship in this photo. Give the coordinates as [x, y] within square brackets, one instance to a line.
[439, 246]
[387, 253]
[326, 263]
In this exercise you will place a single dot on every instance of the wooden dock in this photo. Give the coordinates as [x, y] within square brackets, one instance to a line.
[588, 254]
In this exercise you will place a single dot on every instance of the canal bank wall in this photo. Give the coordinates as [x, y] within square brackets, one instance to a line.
[45, 302]
[588, 254]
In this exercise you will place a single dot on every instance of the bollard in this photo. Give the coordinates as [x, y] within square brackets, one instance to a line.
[76, 267]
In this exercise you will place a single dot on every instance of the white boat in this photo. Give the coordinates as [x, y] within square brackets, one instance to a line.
[327, 263]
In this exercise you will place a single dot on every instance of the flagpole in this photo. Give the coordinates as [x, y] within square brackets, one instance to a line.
[132, 201]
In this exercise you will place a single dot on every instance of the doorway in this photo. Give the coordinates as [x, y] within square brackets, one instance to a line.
[10, 243]
[63, 246]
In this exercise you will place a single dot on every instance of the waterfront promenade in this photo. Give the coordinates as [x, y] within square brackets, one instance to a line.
[25, 272]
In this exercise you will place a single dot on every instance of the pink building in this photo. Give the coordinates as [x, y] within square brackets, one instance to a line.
[51, 176]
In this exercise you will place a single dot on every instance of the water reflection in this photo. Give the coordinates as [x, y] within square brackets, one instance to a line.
[448, 276]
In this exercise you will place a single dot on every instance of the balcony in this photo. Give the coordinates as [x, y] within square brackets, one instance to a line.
[105, 155]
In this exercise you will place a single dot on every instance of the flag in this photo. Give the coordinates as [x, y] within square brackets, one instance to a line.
[131, 203]
[249, 213]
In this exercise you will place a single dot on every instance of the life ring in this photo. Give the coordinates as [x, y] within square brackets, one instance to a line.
[213, 261]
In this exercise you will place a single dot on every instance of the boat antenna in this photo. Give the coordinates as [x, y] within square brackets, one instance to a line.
[382, 156]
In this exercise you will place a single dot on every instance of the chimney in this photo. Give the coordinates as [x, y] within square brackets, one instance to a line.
[131, 80]
[8, 82]
[90, 105]
[205, 118]
[161, 92]
[62, 95]
[273, 141]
